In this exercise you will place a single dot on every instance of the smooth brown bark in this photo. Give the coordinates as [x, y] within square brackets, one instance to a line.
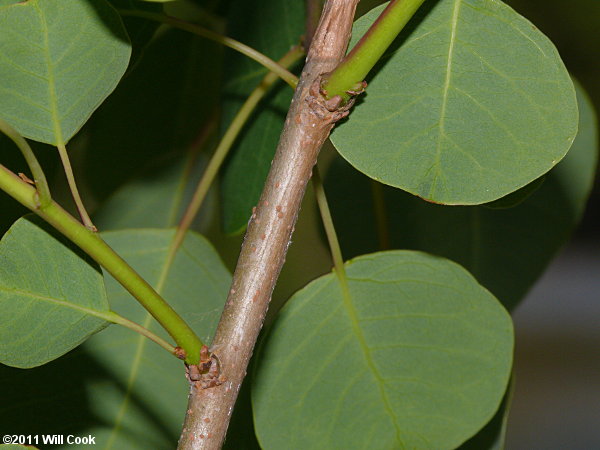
[308, 124]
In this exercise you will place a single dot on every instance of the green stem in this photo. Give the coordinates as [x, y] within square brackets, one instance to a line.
[264, 60]
[334, 244]
[91, 243]
[64, 157]
[36, 170]
[227, 142]
[113, 317]
[357, 64]
[18, 189]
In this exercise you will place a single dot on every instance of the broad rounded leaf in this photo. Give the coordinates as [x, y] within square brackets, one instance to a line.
[415, 354]
[493, 435]
[49, 293]
[471, 103]
[493, 244]
[59, 59]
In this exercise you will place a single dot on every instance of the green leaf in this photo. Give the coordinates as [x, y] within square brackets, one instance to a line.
[471, 103]
[495, 245]
[416, 354]
[493, 435]
[120, 387]
[364, 6]
[272, 29]
[50, 294]
[59, 59]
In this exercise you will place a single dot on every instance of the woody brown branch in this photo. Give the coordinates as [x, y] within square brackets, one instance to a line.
[307, 126]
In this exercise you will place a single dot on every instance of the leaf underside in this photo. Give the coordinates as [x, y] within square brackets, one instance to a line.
[415, 355]
[49, 291]
[495, 245]
[470, 103]
[59, 59]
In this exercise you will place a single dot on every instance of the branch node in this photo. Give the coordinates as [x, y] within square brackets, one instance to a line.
[334, 109]
[36, 200]
[180, 353]
[357, 89]
[26, 179]
[207, 373]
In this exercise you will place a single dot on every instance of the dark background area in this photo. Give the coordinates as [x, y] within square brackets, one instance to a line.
[557, 366]
[574, 27]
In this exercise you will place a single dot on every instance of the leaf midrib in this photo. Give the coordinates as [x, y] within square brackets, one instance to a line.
[92, 312]
[353, 316]
[53, 101]
[446, 89]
